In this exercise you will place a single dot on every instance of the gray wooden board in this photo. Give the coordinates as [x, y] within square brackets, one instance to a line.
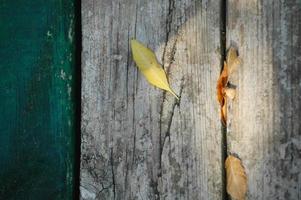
[137, 142]
[264, 120]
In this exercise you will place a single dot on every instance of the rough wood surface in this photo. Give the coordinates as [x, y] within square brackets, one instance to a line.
[264, 120]
[137, 141]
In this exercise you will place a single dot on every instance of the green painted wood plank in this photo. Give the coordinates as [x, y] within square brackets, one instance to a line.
[37, 128]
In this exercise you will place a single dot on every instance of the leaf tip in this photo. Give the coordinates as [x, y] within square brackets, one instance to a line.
[174, 94]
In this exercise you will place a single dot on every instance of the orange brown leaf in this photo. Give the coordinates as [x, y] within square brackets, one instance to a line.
[221, 84]
[222, 91]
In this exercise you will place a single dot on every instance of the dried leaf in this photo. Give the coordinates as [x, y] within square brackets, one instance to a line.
[222, 92]
[224, 112]
[232, 60]
[148, 65]
[221, 84]
[236, 178]
[230, 92]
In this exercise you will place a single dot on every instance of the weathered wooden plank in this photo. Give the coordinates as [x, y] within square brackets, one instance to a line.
[264, 122]
[37, 101]
[137, 142]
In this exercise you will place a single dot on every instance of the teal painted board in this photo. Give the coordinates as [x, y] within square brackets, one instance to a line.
[37, 99]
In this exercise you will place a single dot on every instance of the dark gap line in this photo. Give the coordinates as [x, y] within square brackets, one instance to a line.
[223, 49]
[223, 31]
[77, 97]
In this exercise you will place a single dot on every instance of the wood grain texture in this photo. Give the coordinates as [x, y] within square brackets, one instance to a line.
[264, 120]
[137, 141]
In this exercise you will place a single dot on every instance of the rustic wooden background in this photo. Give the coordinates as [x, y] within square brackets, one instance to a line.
[265, 119]
[139, 143]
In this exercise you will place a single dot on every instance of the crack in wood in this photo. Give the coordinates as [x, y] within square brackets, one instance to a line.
[168, 120]
[103, 188]
[171, 7]
[162, 136]
[148, 129]
[113, 172]
[223, 37]
[172, 56]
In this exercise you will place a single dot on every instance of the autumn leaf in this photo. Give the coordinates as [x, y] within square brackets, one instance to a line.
[224, 112]
[149, 66]
[236, 178]
[221, 84]
[233, 60]
[230, 92]
[222, 91]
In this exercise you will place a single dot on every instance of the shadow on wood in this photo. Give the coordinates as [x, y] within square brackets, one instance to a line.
[264, 120]
[137, 143]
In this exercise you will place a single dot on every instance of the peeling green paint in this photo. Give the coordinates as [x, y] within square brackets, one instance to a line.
[37, 99]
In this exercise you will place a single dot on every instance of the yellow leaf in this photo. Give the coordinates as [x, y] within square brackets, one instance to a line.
[149, 66]
[236, 178]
